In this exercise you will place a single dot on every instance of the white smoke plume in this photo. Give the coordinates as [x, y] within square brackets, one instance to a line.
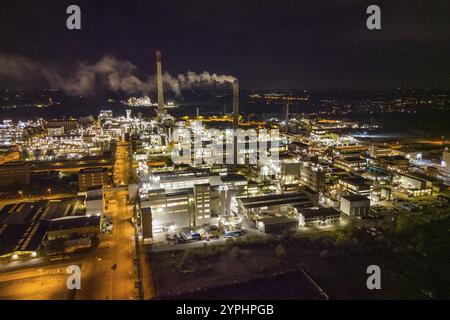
[109, 72]
[192, 80]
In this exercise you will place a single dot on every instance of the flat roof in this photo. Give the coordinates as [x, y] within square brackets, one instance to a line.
[202, 185]
[274, 199]
[277, 220]
[28, 211]
[319, 213]
[182, 172]
[179, 192]
[22, 212]
[233, 177]
[24, 224]
[355, 197]
[94, 170]
[21, 237]
[394, 157]
[65, 208]
[357, 181]
[94, 196]
[350, 159]
[73, 222]
[419, 176]
[185, 177]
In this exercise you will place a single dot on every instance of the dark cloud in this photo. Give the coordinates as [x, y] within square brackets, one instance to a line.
[109, 72]
[266, 44]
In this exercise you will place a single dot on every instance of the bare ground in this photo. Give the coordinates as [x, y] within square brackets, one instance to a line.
[340, 276]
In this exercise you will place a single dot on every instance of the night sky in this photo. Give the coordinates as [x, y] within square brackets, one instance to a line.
[265, 43]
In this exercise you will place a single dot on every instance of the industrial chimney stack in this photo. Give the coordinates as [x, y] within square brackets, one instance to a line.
[159, 84]
[286, 123]
[235, 86]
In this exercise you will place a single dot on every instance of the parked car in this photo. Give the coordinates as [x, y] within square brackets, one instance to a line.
[180, 238]
[195, 236]
[232, 234]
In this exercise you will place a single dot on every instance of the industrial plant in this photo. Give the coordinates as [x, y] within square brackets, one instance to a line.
[194, 152]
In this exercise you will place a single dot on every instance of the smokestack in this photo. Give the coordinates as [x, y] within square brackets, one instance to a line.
[159, 83]
[235, 86]
[198, 112]
[286, 124]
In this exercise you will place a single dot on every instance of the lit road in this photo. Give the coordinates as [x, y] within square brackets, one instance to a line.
[45, 283]
[109, 272]
[102, 281]
[121, 176]
[122, 165]
[123, 249]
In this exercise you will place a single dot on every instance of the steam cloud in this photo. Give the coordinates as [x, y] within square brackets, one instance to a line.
[109, 72]
[192, 79]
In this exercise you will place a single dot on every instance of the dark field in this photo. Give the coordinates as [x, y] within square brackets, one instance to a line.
[247, 273]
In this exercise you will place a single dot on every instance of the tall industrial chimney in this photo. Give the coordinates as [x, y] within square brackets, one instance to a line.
[286, 120]
[235, 87]
[159, 83]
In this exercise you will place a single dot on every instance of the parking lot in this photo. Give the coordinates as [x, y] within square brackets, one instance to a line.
[185, 238]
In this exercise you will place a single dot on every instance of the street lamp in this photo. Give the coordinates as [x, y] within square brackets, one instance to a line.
[49, 191]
